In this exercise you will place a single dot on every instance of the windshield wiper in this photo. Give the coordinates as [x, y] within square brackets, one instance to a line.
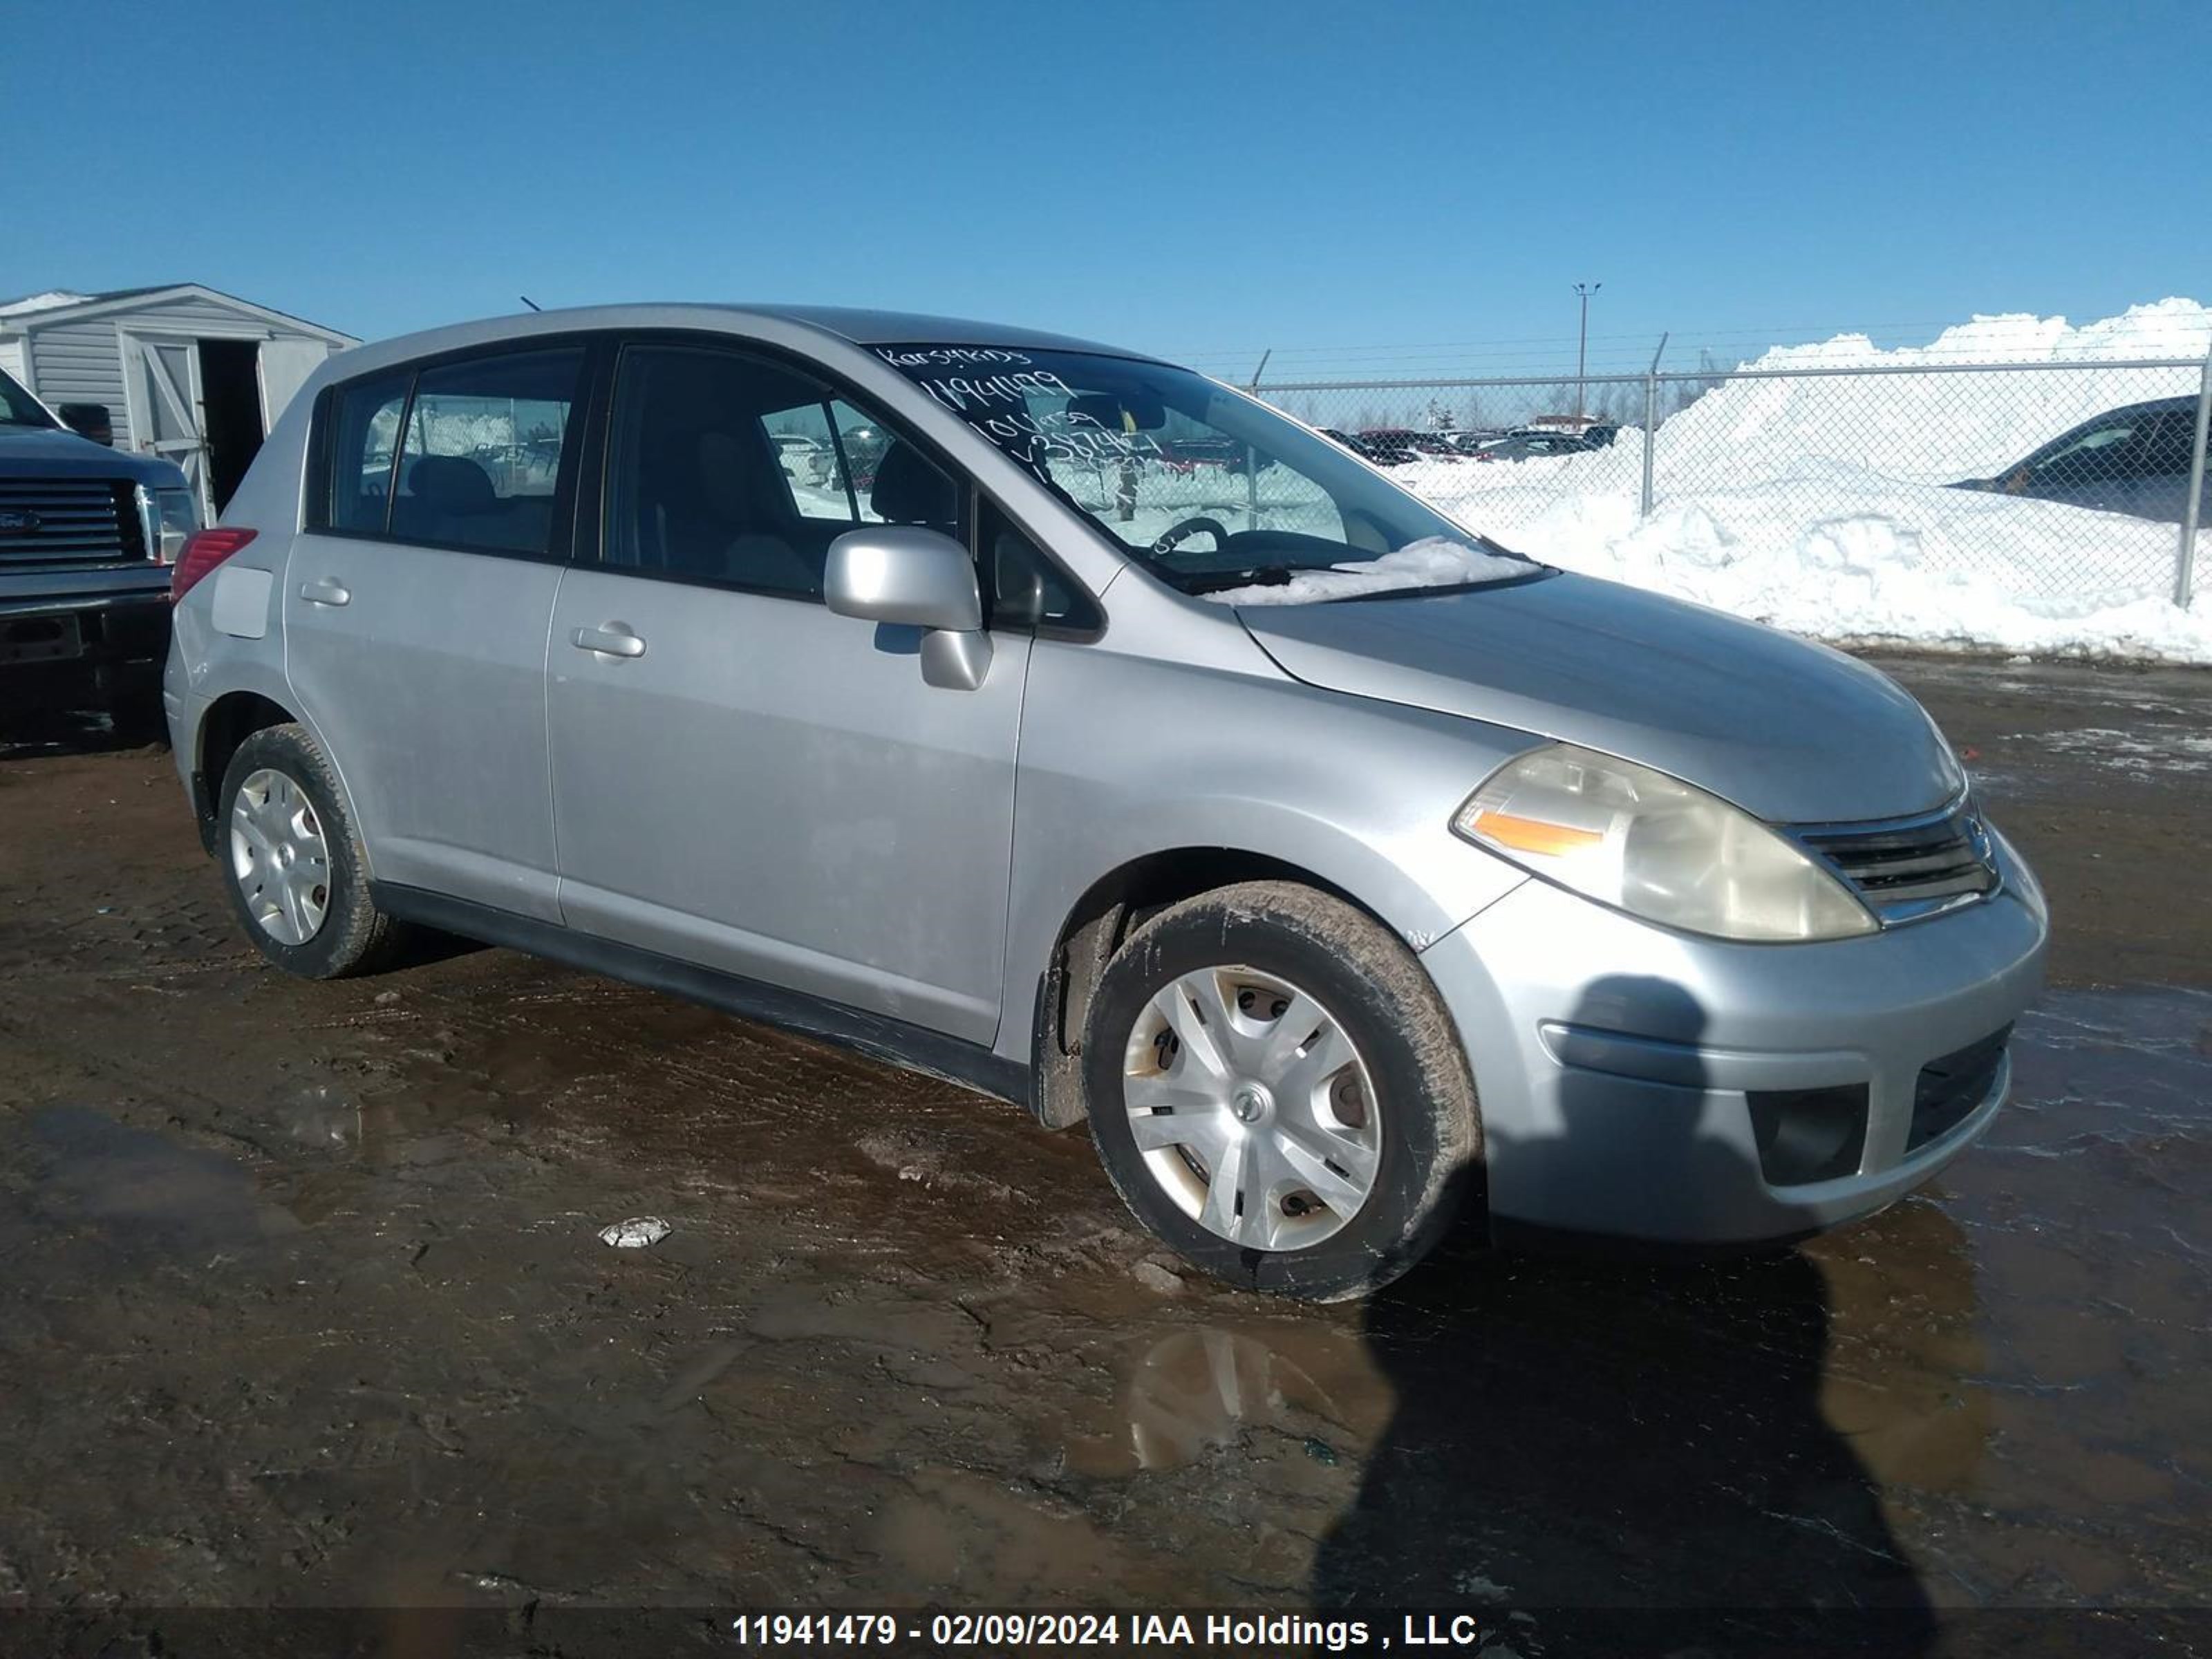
[1535, 572]
[1220, 581]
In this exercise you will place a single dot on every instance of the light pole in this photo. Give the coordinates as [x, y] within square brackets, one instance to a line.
[1582, 345]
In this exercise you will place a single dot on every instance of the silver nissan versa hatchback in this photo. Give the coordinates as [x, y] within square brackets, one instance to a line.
[1048, 718]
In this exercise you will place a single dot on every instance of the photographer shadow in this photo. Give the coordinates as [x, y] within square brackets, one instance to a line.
[1592, 1442]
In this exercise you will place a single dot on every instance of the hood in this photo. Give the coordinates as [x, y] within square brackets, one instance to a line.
[1791, 732]
[45, 452]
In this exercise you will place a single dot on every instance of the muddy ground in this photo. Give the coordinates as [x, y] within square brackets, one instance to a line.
[301, 1297]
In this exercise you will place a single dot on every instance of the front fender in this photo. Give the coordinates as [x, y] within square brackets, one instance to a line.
[1355, 793]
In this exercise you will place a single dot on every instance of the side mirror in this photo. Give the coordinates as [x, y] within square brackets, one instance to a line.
[88, 421]
[909, 577]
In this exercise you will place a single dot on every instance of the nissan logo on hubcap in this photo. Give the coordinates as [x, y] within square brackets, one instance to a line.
[11, 519]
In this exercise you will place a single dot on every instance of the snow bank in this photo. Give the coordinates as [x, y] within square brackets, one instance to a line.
[1433, 563]
[1893, 566]
[1816, 503]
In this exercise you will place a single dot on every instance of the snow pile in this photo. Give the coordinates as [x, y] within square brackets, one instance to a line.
[1882, 568]
[1817, 504]
[1934, 428]
[1434, 562]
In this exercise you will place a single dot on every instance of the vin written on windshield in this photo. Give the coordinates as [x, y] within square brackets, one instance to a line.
[1031, 413]
[1214, 491]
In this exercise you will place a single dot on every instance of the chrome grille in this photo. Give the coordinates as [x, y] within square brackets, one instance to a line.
[68, 521]
[1909, 868]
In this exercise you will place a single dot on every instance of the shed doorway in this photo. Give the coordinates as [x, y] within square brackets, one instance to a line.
[230, 409]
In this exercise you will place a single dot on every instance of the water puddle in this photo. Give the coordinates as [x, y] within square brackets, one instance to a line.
[1205, 1391]
[139, 1192]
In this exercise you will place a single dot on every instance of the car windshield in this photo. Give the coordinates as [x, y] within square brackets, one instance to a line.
[19, 408]
[1212, 491]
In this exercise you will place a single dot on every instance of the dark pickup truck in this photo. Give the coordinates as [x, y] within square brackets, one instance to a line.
[87, 538]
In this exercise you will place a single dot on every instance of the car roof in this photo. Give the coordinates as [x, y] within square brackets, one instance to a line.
[864, 327]
[2151, 406]
[852, 324]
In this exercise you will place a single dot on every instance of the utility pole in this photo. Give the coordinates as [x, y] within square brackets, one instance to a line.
[1582, 346]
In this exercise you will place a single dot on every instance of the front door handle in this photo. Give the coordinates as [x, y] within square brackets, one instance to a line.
[325, 590]
[614, 639]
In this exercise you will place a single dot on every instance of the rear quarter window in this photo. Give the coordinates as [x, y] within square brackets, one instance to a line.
[361, 442]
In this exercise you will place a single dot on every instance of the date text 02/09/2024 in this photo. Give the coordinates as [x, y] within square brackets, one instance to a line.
[1018, 1629]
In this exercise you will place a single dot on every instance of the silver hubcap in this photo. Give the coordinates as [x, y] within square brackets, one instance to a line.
[278, 856]
[1253, 1109]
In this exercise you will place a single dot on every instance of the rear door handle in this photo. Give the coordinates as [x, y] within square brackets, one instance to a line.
[614, 639]
[325, 590]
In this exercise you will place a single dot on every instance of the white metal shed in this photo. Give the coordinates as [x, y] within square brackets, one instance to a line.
[183, 371]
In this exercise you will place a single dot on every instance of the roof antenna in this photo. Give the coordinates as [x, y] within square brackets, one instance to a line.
[531, 303]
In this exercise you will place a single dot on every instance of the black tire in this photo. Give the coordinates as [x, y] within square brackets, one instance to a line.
[1431, 1138]
[355, 937]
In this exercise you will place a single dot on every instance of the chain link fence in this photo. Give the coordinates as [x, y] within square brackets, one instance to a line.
[2038, 482]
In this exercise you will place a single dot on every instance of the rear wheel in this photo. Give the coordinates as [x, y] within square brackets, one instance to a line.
[292, 862]
[1277, 1091]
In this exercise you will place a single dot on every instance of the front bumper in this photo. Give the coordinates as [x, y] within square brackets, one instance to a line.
[88, 638]
[1629, 1075]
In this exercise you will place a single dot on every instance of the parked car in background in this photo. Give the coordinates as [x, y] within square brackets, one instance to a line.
[1528, 446]
[1704, 917]
[1386, 446]
[88, 536]
[807, 459]
[1188, 454]
[1396, 446]
[2134, 460]
[1468, 440]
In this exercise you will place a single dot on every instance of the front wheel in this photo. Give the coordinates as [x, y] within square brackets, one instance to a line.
[1276, 1090]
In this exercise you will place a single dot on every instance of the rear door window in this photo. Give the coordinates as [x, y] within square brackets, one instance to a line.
[485, 452]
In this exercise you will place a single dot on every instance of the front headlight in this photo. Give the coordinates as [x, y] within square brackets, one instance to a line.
[1646, 843]
[171, 516]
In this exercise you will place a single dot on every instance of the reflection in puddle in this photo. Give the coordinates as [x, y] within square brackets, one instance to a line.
[1201, 1393]
[1902, 1378]
[1196, 1391]
[320, 1116]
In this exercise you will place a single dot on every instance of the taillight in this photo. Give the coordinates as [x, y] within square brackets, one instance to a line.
[204, 551]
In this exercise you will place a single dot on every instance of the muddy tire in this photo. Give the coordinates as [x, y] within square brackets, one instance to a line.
[292, 863]
[1277, 1091]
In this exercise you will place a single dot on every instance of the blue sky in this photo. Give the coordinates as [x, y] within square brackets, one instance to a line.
[1201, 179]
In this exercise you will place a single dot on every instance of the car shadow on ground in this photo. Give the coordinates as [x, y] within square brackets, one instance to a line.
[1630, 1451]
